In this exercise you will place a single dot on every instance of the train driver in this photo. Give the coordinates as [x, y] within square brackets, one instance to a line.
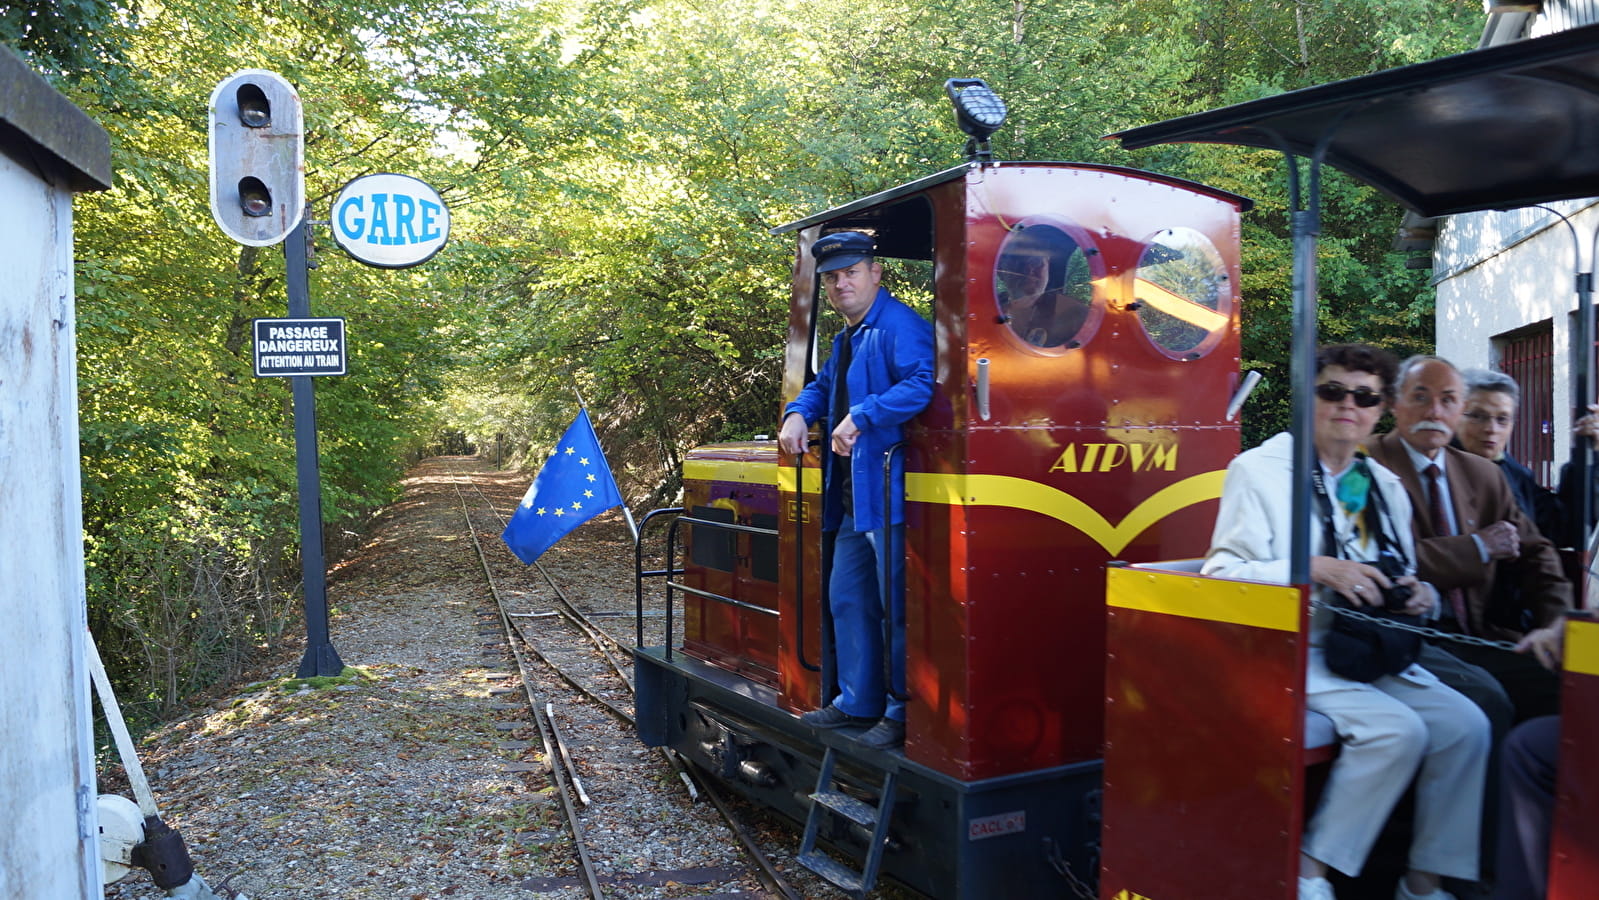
[1395, 724]
[879, 376]
[1034, 288]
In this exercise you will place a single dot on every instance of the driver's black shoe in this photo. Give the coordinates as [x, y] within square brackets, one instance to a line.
[831, 716]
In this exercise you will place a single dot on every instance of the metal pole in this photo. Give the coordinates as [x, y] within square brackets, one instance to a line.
[627, 516]
[1582, 382]
[1582, 378]
[320, 657]
[1306, 228]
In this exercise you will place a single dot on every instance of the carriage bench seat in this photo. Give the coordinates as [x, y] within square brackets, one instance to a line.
[1321, 738]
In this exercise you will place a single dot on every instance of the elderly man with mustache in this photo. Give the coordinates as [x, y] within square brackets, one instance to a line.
[1468, 526]
[1476, 528]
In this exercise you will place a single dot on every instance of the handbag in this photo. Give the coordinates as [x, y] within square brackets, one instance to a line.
[1355, 648]
[1365, 651]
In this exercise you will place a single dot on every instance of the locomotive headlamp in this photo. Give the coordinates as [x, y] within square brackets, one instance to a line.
[978, 110]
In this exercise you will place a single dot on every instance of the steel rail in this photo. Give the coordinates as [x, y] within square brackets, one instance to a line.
[579, 839]
[765, 871]
[567, 608]
[575, 616]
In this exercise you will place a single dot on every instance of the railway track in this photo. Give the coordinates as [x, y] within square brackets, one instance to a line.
[559, 648]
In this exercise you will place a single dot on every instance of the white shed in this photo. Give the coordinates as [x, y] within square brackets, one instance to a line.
[49, 149]
[1506, 281]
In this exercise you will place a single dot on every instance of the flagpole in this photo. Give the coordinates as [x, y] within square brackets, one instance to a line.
[627, 514]
[630, 524]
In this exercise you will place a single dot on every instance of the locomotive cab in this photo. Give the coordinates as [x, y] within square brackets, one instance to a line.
[1086, 323]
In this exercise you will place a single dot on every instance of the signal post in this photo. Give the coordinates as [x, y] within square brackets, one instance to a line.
[258, 199]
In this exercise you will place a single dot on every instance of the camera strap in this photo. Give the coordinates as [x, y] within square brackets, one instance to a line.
[1375, 516]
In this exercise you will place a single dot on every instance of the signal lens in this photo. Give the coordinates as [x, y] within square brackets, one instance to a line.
[254, 198]
[255, 111]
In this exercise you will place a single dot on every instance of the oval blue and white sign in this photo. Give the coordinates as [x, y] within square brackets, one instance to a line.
[391, 221]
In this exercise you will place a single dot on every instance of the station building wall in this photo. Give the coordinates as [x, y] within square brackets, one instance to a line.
[48, 151]
[1502, 276]
[1505, 278]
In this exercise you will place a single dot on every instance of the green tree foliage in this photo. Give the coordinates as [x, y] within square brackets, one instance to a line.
[72, 38]
[614, 170]
[1214, 54]
[188, 460]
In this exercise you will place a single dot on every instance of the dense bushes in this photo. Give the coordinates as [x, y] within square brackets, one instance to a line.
[613, 171]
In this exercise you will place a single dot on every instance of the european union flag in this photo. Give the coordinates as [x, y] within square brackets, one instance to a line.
[574, 486]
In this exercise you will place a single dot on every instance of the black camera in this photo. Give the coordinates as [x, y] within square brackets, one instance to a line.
[1395, 596]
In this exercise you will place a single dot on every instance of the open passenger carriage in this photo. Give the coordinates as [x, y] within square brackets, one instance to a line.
[1049, 452]
[1501, 128]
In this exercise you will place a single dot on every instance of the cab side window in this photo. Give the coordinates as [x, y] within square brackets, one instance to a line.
[1183, 295]
[1043, 282]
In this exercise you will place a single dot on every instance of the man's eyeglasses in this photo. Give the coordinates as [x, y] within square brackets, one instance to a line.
[1482, 418]
[1335, 392]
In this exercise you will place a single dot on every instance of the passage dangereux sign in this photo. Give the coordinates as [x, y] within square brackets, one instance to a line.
[285, 347]
[390, 221]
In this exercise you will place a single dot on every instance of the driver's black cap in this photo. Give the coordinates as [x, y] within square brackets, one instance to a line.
[842, 250]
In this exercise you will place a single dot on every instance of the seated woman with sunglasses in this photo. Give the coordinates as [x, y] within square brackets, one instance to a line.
[1395, 725]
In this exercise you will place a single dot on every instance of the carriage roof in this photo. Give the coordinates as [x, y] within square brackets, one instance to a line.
[1496, 128]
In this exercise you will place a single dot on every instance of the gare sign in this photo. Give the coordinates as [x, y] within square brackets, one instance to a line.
[390, 221]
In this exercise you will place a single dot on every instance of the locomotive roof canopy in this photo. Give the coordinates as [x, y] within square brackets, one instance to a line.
[1497, 128]
[902, 219]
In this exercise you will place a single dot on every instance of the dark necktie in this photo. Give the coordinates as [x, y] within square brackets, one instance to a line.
[846, 352]
[1440, 527]
[841, 466]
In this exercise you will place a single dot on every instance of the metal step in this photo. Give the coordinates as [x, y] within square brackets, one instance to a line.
[845, 879]
[857, 811]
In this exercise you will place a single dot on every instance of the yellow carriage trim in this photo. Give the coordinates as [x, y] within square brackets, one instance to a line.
[1582, 647]
[1183, 594]
[750, 472]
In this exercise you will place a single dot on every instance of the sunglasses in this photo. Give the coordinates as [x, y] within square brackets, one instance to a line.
[1333, 392]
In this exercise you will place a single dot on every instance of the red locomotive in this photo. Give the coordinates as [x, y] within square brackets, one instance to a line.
[1041, 457]
[1048, 452]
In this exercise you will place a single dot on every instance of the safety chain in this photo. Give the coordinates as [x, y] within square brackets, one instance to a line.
[1057, 861]
[1422, 630]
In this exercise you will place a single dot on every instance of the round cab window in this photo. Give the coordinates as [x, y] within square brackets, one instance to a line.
[1182, 296]
[1043, 282]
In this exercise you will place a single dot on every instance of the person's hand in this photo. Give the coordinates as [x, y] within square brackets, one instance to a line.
[792, 435]
[1423, 596]
[1588, 426]
[1356, 582]
[1502, 540]
[1545, 644]
[844, 436]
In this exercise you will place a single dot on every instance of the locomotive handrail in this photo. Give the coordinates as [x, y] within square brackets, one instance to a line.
[639, 574]
[671, 554]
[885, 571]
[799, 565]
[730, 526]
[730, 601]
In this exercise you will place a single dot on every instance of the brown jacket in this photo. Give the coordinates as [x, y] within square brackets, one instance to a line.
[1481, 497]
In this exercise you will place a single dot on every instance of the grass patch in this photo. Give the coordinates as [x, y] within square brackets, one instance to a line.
[349, 675]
